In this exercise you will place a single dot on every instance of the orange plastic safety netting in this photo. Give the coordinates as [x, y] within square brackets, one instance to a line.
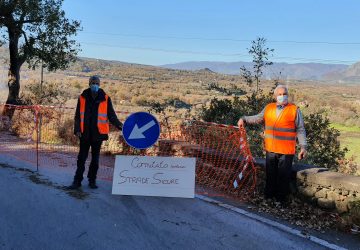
[44, 136]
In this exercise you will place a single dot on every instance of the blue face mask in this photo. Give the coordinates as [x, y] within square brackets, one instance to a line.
[94, 88]
[282, 99]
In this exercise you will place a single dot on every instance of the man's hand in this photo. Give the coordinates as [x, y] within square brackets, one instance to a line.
[78, 134]
[302, 154]
[241, 123]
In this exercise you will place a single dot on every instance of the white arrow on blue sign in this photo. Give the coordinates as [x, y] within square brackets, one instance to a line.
[141, 130]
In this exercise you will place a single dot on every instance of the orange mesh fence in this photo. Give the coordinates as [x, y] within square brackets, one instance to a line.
[44, 136]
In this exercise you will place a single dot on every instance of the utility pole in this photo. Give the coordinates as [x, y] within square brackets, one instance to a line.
[39, 115]
[42, 76]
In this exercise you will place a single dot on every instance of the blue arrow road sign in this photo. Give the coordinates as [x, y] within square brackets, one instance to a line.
[141, 130]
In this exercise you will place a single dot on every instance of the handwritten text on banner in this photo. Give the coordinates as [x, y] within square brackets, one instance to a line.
[154, 176]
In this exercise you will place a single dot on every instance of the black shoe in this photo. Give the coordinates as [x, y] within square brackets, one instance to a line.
[74, 186]
[92, 185]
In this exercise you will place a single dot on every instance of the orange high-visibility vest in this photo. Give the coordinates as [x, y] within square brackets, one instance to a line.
[280, 132]
[102, 122]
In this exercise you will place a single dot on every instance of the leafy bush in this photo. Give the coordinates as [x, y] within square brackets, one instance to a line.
[220, 111]
[323, 145]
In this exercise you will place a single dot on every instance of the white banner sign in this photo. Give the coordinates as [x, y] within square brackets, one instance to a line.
[154, 176]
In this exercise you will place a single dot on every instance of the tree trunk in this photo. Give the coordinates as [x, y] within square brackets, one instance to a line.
[13, 74]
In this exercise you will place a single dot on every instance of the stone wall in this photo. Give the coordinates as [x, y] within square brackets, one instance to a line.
[326, 189]
[330, 190]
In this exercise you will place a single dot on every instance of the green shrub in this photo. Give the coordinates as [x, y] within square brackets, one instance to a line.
[324, 148]
[220, 111]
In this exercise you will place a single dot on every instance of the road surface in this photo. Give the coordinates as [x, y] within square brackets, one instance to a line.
[36, 213]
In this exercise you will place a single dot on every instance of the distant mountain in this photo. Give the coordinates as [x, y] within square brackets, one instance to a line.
[301, 71]
[351, 74]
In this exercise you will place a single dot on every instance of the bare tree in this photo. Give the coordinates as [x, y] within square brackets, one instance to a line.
[260, 54]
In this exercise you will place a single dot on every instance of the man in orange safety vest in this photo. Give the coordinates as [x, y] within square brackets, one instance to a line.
[283, 125]
[93, 113]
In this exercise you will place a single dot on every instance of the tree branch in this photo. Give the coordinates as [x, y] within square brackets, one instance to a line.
[25, 37]
[29, 21]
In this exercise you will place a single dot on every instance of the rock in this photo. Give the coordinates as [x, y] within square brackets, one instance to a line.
[303, 175]
[342, 197]
[336, 190]
[307, 191]
[325, 203]
[333, 196]
[321, 193]
[341, 206]
[345, 192]
[334, 180]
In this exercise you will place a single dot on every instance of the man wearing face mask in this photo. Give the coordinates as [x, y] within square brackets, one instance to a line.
[93, 112]
[283, 124]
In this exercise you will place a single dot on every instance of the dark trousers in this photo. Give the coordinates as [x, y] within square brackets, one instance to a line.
[278, 173]
[82, 156]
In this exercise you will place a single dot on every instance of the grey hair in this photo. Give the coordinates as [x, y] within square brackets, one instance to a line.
[280, 86]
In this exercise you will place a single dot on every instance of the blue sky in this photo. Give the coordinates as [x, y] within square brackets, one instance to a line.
[159, 32]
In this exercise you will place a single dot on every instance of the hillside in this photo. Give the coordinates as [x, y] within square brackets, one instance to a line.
[298, 71]
[351, 74]
[283, 71]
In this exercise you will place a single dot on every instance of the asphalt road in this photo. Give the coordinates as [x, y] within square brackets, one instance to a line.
[36, 213]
